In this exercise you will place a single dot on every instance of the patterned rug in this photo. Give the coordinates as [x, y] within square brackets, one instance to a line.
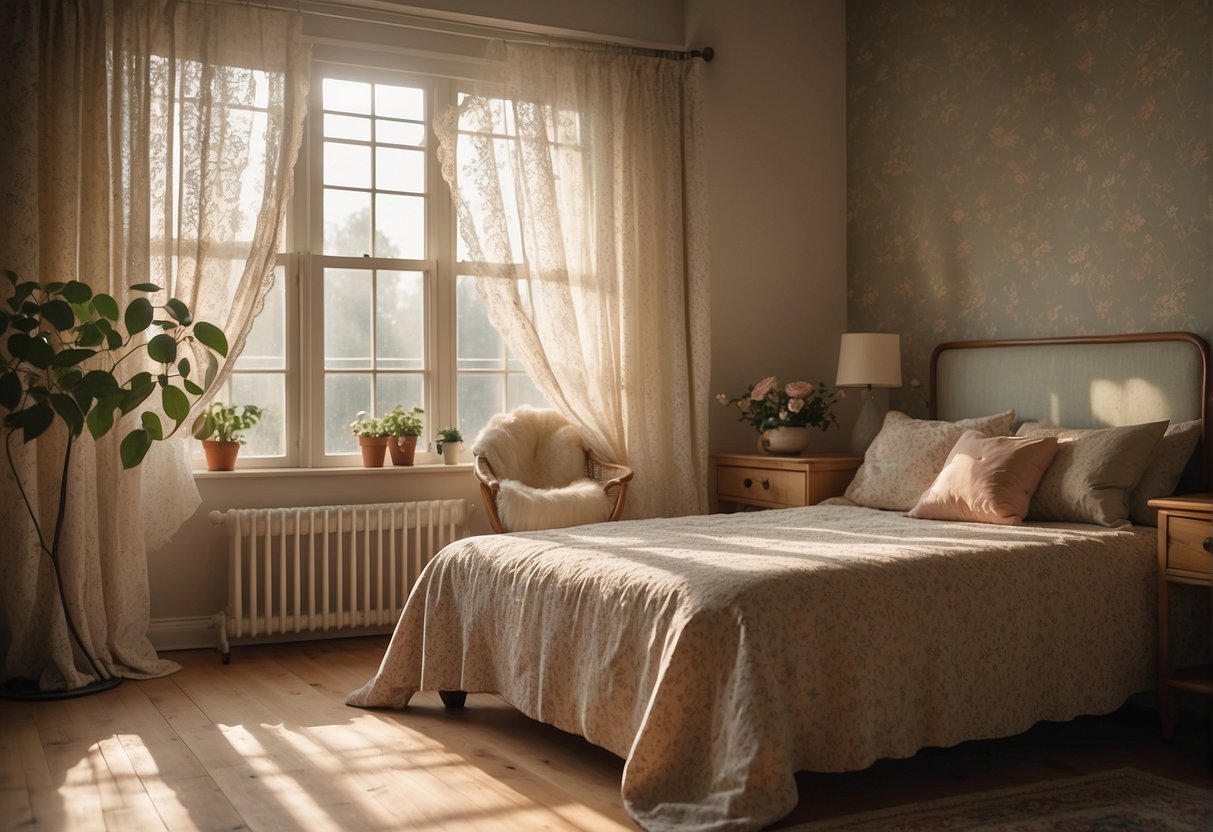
[1125, 800]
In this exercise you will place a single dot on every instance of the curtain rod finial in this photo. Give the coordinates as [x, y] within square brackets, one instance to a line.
[707, 53]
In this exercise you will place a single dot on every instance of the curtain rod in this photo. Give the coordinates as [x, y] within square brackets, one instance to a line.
[380, 13]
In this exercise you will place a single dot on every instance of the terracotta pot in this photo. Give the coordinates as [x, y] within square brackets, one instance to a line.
[373, 449]
[220, 456]
[403, 449]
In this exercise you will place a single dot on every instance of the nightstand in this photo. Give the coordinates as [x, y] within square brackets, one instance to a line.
[1185, 539]
[760, 481]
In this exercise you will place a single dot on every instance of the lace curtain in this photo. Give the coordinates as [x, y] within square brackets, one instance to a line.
[143, 140]
[580, 201]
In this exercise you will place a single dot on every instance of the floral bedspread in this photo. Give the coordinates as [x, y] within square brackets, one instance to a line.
[719, 655]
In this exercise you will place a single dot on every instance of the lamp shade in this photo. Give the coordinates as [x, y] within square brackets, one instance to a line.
[869, 359]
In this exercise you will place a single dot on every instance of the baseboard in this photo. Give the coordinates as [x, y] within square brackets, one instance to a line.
[190, 633]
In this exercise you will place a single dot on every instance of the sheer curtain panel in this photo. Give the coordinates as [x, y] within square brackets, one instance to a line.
[581, 206]
[142, 141]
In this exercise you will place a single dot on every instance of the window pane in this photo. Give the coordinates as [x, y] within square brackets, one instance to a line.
[268, 392]
[400, 170]
[400, 226]
[347, 96]
[265, 347]
[399, 102]
[480, 397]
[399, 388]
[347, 127]
[399, 132]
[478, 346]
[400, 321]
[347, 223]
[347, 164]
[344, 396]
[347, 319]
[523, 391]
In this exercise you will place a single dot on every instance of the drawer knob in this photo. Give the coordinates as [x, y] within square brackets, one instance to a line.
[749, 483]
[1208, 544]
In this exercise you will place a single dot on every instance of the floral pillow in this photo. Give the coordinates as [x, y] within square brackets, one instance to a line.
[906, 456]
[1090, 478]
[987, 479]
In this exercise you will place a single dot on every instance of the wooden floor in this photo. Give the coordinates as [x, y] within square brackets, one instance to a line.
[266, 743]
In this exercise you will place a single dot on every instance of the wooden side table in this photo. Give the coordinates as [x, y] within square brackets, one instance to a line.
[1185, 529]
[760, 481]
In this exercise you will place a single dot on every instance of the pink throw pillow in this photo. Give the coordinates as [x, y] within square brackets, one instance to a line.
[987, 479]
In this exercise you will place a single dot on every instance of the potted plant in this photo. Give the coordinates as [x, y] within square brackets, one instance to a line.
[65, 361]
[372, 439]
[449, 441]
[226, 424]
[404, 426]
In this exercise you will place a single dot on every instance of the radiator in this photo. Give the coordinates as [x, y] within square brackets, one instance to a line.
[328, 568]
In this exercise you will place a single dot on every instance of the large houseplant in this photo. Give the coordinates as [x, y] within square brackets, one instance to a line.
[67, 358]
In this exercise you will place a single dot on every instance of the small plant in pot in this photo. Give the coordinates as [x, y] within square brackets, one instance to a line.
[226, 424]
[373, 439]
[404, 426]
[449, 440]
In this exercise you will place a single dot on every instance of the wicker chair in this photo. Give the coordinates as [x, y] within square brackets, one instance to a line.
[611, 476]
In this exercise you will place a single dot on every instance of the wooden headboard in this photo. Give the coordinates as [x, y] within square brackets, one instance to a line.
[1081, 382]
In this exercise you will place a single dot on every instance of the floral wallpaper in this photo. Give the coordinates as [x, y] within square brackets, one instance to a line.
[1028, 168]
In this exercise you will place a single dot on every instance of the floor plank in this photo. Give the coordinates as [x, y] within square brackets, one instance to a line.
[267, 743]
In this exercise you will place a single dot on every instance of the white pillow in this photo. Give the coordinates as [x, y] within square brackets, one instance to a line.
[524, 509]
[906, 456]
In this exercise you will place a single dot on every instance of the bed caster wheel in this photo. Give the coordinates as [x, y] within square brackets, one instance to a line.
[453, 698]
[226, 658]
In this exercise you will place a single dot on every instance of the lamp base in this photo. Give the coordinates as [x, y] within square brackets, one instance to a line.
[867, 425]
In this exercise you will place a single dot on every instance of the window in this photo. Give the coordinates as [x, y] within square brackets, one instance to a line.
[381, 312]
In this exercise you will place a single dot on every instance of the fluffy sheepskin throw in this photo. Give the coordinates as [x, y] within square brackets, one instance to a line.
[540, 460]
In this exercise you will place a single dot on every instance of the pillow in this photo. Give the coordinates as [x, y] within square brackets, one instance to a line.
[987, 479]
[907, 454]
[1165, 468]
[1093, 472]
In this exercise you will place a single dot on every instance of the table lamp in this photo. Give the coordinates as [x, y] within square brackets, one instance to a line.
[868, 359]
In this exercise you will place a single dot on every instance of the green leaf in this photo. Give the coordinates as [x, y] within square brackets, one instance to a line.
[113, 340]
[106, 306]
[183, 367]
[4, 319]
[162, 379]
[82, 311]
[191, 388]
[69, 377]
[204, 426]
[176, 404]
[71, 357]
[77, 292]
[88, 335]
[24, 323]
[140, 380]
[67, 408]
[135, 447]
[40, 353]
[18, 346]
[151, 423]
[53, 287]
[135, 397]
[212, 336]
[10, 390]
[11, 275]
[83, 398]
[144, 287]
[138, 316]
[179, 311]
[35, 420]
[100, 383]
[59, 314]
[162, 348]
[101, 418]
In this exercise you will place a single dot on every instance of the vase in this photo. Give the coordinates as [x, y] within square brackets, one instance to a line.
[220, 456]
[373, 449]
[403, 449]
[784, 441]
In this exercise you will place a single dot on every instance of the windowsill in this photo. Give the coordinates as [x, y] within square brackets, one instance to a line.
[386, 470]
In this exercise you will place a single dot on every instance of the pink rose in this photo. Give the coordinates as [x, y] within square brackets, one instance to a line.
[762, 388]
[799, 390]
[796, 405]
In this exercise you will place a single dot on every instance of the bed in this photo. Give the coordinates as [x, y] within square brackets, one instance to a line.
[719, 655]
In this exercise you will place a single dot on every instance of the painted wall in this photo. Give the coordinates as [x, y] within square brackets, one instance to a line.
[774, 105]
[1028, 169]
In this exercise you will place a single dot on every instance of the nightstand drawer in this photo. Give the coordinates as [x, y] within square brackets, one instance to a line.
[765, 484]
[1185, 536]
